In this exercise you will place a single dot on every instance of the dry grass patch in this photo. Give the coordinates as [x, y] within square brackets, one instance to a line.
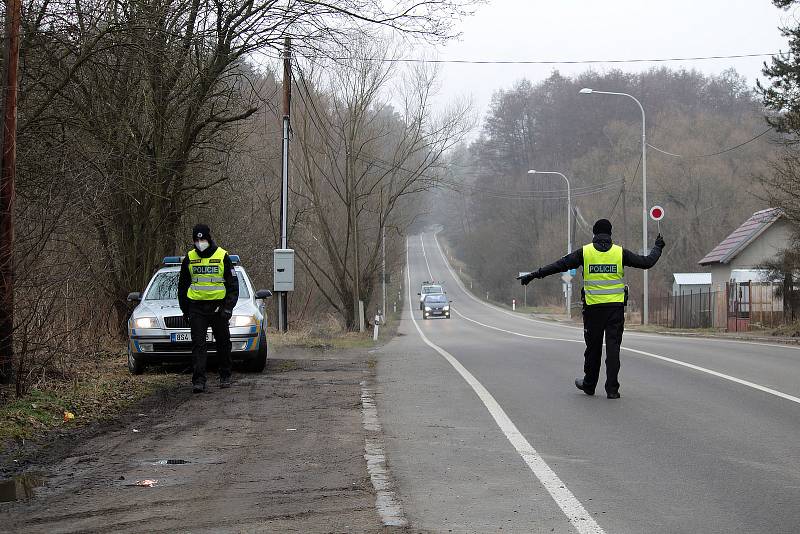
[92, 390]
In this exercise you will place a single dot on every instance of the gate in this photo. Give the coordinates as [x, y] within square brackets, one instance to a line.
[738, 296]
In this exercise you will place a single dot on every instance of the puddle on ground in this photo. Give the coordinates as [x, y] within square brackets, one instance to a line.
[181, 461]
[20, 487]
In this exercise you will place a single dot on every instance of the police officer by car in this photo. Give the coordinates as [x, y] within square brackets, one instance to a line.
[604, 298]
[208, 289]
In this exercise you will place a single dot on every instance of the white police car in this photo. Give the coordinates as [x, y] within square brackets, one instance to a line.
[158, 332]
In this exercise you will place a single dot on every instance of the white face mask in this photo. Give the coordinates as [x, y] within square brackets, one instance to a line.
[201, 245]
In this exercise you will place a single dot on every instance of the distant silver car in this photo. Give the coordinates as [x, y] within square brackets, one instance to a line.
[429, 288]
[158, 332]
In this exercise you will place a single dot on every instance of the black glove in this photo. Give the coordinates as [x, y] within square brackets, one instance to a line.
[526, 278]
[225, 314]
[660, 241]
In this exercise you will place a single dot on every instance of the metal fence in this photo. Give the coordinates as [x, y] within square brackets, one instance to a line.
[738, 307]
[691, 309]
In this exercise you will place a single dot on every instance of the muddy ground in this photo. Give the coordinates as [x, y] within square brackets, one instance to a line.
[282, 451]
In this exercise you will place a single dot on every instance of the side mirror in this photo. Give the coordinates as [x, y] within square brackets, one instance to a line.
[263, 294]
[419, 293]
[134, 297]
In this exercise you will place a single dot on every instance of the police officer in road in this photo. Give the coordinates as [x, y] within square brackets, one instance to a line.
[604, 298]
[208, 290]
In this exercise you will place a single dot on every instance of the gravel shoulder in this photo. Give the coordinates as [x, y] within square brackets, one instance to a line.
[282, 451]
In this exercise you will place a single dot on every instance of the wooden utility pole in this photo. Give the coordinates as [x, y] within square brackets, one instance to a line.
[283, 296]
[7, 176]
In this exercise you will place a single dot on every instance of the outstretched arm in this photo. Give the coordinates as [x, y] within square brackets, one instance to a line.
[573, 260]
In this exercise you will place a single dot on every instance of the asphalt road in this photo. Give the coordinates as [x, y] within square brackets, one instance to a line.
[486, 432]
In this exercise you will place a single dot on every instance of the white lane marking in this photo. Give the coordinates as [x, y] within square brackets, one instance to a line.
[563, 497]
[385, 499]
[428, 265]
[559, 325]
[720, 375]
[651, 355]
[541, 338]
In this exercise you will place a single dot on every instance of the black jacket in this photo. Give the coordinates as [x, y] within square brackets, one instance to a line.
[601, 242]
[208, 307]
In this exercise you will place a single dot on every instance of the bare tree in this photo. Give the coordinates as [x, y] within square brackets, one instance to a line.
[361, 159]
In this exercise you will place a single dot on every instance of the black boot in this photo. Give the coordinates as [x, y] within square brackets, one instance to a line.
[583, 387]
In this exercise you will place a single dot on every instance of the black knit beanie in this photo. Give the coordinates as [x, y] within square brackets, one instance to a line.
[602, 226]
[201, 231]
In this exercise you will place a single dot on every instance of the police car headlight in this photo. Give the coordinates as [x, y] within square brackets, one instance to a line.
[146, 322]
[446, 308]
[243, 320]
[427, 308]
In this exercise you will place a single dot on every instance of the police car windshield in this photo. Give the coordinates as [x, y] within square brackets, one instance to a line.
[432, 289]
[165, 287]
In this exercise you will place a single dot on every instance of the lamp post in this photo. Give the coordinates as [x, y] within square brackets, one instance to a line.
[569, 231]
[646, 297]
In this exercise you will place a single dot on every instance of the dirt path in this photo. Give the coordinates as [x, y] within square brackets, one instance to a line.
[278, 452]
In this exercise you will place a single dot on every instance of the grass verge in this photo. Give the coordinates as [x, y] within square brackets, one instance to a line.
[94, 390]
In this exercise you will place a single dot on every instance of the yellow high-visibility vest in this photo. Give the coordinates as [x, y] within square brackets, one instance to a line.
[603, 281]
[208, 275]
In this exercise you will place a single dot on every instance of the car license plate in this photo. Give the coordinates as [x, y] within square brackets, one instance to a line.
[183, 337]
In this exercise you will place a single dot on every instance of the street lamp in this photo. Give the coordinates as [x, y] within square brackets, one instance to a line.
[569, 230]
[646, 297]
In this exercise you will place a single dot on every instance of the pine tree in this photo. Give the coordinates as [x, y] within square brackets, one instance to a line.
[782, 96]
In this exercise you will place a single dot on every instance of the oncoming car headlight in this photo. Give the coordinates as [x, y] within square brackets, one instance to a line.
[243, 320]
[446, 308]
[146, 322]
[427, 308]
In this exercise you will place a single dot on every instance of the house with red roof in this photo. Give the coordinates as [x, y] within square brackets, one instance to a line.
[739, 256]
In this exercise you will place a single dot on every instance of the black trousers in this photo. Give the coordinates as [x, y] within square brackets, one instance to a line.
[199, 324]
[599, 321]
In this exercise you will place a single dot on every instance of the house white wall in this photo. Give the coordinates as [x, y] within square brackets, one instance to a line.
[776, 238]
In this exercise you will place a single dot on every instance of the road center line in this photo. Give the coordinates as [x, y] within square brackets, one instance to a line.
[563, 497]
[692, 366]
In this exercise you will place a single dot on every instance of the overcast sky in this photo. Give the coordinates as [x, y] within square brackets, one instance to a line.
[611, 29]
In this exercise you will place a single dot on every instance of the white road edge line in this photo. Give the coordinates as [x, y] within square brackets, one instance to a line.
[386, 502]
[569, 504]
[549, 323]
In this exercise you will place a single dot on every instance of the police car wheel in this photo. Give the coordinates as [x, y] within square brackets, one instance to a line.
[136, 367]
[257, 364]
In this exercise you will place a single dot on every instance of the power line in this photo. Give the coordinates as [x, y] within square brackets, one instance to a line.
[712, 154]
[547, 61]
[533, 195]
